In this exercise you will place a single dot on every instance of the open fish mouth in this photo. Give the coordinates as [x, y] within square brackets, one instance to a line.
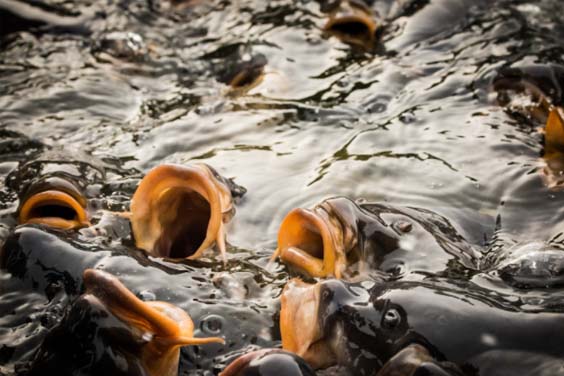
[180, 211]
[353, 23]
[553, 154]
[59, 206]
[316, 241]
[300, 327]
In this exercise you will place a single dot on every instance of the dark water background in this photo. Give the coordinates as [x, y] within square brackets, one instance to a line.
[415, 122]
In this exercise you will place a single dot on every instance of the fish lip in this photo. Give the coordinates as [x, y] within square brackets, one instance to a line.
[300, 327]
[306, 241]
[29, 210]
[352, 13]
[317, 241]
[149, 220]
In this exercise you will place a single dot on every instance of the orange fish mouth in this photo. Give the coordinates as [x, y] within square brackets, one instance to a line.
[353, 23]
[180, 211]
[554, 148]
[54, 208]
[300, 327]
[315, 241]
[163, 326]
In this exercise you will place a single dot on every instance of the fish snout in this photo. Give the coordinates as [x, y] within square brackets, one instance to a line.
[162, 327]
[353, 22]
[179, 211]
[55, 203]
[300, 325]
[318, 241]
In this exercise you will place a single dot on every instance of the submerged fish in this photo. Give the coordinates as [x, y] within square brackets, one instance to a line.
[154, 332]
[543, 83]
[51, 262]
[180, 211]
[353, 22]
[268, 362]
[460, 327]
[338, 238]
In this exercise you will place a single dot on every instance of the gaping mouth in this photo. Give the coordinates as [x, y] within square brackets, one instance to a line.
[53, 208]
[184, 216]
[301, 330]
[352, 23]
[305, 240]
[321, 241]
[178, 211]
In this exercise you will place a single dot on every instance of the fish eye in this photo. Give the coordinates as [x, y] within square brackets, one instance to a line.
[391, 318]
[212, 324]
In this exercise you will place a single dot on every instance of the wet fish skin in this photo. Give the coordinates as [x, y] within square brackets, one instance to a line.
[544, 80]
[365, 326]
[268, 362]
[52, 262]
[88, 338]
[341, 238]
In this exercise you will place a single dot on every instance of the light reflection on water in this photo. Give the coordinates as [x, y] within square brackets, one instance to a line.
[414, 123]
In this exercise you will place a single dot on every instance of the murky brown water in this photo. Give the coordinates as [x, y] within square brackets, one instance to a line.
[415, 122]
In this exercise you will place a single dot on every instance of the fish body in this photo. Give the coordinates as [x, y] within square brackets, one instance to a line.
[341, 238]
[51, 262]
[362, 327]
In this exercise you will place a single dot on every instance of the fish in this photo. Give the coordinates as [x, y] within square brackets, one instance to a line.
[180, 211]
[536, 93]
[543, 82]
[53, 189]
[54, 202]
[158, 329]
[268, 362]
[246, 71]
[342, 239]
[526, 266]
[362, 326]
[49, 262]
[531, 92]
[353, 22]
[553, 154]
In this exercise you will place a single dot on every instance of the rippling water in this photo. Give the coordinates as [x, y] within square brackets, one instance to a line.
[415, 122]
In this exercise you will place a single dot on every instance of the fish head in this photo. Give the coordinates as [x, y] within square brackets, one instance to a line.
[54, 202]
[353, 22]
[179, 211]
[317, 241]
[161, 328]
[336, 322]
